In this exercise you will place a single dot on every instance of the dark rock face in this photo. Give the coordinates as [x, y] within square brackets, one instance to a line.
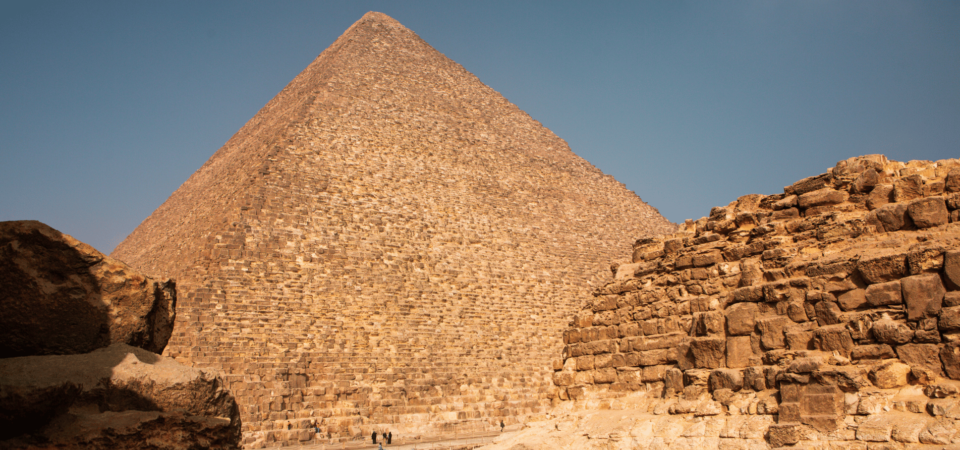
[59, 296]
[78, 332]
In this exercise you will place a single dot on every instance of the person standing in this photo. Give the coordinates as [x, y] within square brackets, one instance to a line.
[501, 425]
[389, 437]
[374, 437]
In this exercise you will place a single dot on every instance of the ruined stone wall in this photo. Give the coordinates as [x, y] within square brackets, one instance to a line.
[828, 315]
[388, 245]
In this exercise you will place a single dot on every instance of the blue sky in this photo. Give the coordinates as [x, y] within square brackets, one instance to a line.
[107, 107]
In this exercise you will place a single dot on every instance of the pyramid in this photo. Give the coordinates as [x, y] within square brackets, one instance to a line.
[388, 244]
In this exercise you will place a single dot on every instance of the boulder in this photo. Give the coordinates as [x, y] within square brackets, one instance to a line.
[893, 217]
[115, 397]
[61, 297]
[950, 357]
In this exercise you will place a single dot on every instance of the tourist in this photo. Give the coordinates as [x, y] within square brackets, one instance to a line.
[374, 437]
[389, 437]
[501, 425]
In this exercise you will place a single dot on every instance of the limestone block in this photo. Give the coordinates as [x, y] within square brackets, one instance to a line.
[754, 378]
[872, 351]
[822, 197]
[865, 182]
[726, 379]
[852, 300]
[939, 432]
[951, 269]
[708, 323]
[771, 332]
[708, 352]
[889, 375]
[889, 331]
[952, 181]
[833, 338]
[944, 407]
[927, 356]
[907, 431]
[949, 319]
[908, 188]
[879, 196]
[673, 379]
[780, 435]
[846, 378]
[883, 268]
[740, 352]
[828, 313]
[741, 318]
[809, 184]
[876, 429]
[893, 217]
[928, 212]
[884, 294]
[950, 357]
[923, 295]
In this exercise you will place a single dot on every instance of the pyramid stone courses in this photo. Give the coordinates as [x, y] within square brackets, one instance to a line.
[388, 244]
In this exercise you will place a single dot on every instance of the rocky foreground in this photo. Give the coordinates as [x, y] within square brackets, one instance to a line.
[827, 316]
[79, 337]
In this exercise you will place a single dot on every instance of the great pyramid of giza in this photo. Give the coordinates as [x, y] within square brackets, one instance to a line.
[389, 244]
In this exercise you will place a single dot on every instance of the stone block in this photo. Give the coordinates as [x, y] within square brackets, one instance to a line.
[883, 268]
[740, 352]
[893, 217]
[879, 196]
[707, 259]
[821, 197]
[952, 181]
[951, 269]
[780, 435]
[872, 351]
[741, 318]
[890, 331]
[939, 432]
[884, 294]
[654, 373]
[708, 323]
[927, 356]
[923, 295]
[726, 379]
[908, 431]
[852, 300]
[889, 375]
[928, 212]
[833, 338]
[657, 357]
[951, 298]
[748, 294]
[708, 352]
[876, 429]
[798, 339]
[949, 319]
[950, 357]
[673, 379]
[771, 332]
[605, 376]
[828, 313]
[754, 378]
[908, 188]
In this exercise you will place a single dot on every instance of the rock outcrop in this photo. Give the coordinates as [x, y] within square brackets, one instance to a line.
[59, 296]
[69, 379]
[827, 315]
[114, 397]
[389, 244]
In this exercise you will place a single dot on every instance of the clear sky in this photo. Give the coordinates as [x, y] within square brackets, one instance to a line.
[107, 107]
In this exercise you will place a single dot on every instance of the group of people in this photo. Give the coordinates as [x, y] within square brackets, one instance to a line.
[387, 436]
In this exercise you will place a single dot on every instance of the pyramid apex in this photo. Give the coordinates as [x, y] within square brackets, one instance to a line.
[374, 17]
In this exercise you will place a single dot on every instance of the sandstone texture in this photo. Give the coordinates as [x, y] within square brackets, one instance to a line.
[389, 244]
[114, 397]
[60, 296]
[823, 317]
[69, 377]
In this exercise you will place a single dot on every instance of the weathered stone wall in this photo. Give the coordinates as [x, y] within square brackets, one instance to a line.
[833, 309]
[389, 244]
